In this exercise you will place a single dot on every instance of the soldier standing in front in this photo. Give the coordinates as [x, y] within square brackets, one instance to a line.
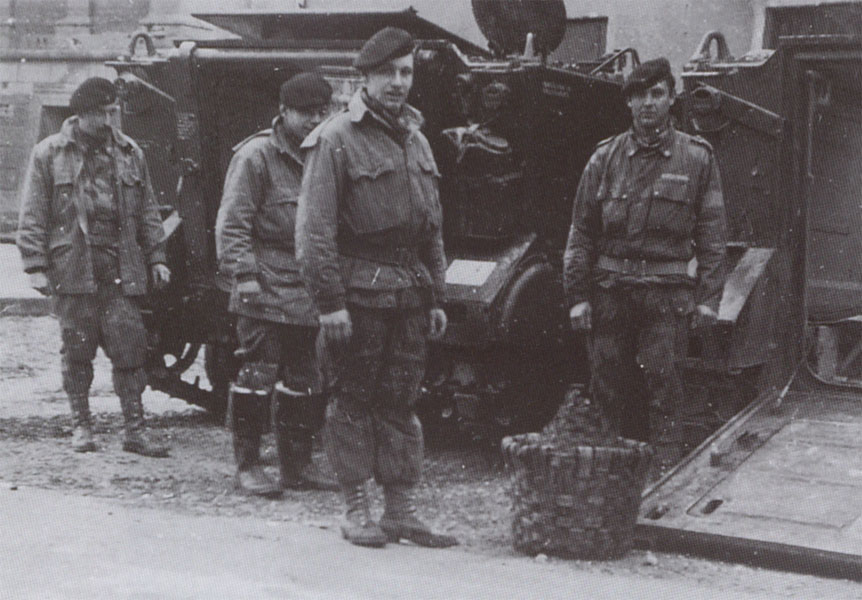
[277, 323]
[649, 200]
[370, 246]
[89, 231]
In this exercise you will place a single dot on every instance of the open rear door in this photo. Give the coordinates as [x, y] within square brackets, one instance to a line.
[781, 483]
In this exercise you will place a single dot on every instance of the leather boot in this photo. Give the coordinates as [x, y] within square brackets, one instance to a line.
[135, 439]
[400, 521]
[294, 442]
[248, 413]
[358, 528]
[82, 434]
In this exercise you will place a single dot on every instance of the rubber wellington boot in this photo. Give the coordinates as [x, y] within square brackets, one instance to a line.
[294, 442]
[358, 528]
[82, 434]
[135, 439]
[400, 522]
[248, 412]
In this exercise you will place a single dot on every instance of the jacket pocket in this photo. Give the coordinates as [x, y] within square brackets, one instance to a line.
[614, 215]
[670, 208]
[377, 198]
[276, 220]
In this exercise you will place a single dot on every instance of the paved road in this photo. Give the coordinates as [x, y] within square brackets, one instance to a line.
[56, 546]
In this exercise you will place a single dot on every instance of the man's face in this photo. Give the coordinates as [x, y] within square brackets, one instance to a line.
[390, 83]
[299, 122]
[651, 107]
[97, 121]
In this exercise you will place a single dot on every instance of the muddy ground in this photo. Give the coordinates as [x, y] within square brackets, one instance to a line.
[464, 492]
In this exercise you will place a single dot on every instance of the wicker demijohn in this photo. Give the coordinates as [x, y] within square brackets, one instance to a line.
[576, 502]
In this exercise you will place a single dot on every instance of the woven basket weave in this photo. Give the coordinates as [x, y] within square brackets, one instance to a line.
[579, 502]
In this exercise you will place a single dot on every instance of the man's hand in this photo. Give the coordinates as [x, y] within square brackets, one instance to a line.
[581, 316]
[437, 322]
[39, 282]
[161, 275]
[703, 316]
[337, 326]
[248, 290]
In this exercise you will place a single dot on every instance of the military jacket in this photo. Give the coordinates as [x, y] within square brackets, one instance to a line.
[366, 194]
[255, 228]
[656, 203]
[54, 227]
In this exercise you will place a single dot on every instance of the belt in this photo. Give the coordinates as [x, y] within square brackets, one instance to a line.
[630, 266]
[401, 256]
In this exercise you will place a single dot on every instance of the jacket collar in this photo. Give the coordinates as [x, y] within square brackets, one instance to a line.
[359, 110]
[67, 134]
[664, 144]
[282, 141]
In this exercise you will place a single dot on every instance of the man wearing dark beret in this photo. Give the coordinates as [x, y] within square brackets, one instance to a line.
[89, 234]
[277, 322]
[648, 202]
[370, 247]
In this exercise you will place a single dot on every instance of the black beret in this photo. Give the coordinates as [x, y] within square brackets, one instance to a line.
[383, 46]
[647, 74]
[305, 90]
[95, 92]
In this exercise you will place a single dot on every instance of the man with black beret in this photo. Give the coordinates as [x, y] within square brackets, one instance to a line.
[648, 202]
[277, 322]
[90, 234]
[370, 247]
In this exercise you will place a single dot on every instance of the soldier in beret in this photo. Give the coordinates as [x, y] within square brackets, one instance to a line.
[277, 322]
[648, 202]
[370, 247]
[90, 234]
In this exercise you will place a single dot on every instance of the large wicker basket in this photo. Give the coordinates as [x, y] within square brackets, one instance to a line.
[579, 502]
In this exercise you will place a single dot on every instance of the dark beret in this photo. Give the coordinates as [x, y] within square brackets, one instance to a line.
[304, 91]
[95, 92]
[383, 46]
[647, 74]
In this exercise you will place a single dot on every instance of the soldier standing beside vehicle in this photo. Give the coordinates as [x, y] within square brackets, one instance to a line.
[370, 246]
[88, 232]
[649, 200]
[277, 322]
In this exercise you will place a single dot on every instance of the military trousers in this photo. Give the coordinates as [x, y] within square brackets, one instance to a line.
[272, 352]
[639, 335]
[371, 426]
[108, 319]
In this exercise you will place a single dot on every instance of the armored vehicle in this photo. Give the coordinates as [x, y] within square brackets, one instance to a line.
[511, 134]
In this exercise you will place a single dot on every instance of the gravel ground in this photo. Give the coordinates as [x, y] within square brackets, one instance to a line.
[464, 492]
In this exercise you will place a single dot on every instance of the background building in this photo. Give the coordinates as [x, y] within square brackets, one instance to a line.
[47, 47]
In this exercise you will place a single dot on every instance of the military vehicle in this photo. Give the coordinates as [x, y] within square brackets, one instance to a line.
[511, 133]
[779, 484]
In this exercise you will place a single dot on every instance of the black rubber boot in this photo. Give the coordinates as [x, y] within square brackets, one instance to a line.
[399, 520]
[293, 434]
[135, 439]
[358, 528]
[82, 434]
[248, 413]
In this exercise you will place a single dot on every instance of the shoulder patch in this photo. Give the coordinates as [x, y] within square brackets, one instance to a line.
[261, 133]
